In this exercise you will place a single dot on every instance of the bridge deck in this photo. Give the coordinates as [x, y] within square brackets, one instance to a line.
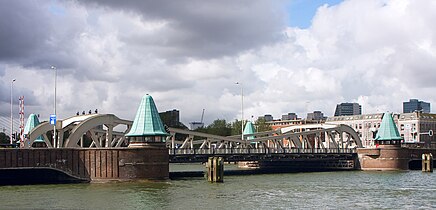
[262, 154]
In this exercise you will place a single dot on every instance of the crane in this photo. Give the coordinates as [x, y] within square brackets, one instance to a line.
[202, 115]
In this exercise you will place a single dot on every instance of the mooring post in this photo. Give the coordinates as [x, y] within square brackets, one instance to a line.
[215, 169]
[427, 162]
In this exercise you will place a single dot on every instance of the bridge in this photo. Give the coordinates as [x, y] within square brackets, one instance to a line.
[330, 144]
[302, 147]
[316, 142]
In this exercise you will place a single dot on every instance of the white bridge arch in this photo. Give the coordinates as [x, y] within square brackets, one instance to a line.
[314, 136]
[99, 127]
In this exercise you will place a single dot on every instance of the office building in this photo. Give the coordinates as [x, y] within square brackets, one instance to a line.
[316, 115]
[268, 118]
[172, 119]
[347, 109]
[414, 105]
[289, 116]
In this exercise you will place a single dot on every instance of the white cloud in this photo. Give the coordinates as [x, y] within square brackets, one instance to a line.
[377, 52]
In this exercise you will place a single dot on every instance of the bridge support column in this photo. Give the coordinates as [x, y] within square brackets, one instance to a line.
[427, 162]
[215, 169]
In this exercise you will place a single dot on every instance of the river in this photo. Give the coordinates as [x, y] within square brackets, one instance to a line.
[323, 190]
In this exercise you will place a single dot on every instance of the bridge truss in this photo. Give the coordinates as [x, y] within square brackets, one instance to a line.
[316, 139]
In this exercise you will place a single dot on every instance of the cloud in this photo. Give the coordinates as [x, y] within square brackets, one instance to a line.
[110, 53]
[207, 30]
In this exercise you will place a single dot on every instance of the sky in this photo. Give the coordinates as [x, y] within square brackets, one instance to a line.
[289, 55]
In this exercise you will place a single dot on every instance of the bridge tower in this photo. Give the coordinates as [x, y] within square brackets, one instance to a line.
[388, 155]
[249, 130]
[388, 135]
[32, 122]
[147, 128]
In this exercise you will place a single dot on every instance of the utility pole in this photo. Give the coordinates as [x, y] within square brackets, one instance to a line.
[12, 117]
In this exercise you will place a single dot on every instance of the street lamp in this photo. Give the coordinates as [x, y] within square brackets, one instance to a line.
[242, 109]
[12, 117]
[54, 126]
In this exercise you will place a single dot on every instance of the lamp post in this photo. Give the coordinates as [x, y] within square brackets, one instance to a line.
[242, 109]
[54, 126]
[12, 117]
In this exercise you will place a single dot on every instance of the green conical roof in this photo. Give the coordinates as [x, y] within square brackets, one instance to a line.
[147, 121]
[32, 122]
[388, 130]
[249, 129]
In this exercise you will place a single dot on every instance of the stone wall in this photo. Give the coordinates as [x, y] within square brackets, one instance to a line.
[91, 164]
[389, 157]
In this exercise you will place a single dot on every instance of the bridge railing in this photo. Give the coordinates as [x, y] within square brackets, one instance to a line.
[248, 151]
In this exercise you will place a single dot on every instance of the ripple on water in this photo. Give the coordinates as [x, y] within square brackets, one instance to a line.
[327, 190]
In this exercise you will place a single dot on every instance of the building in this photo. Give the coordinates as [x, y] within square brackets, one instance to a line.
[413, 127]
[196, 125]
[170, 118]
[267, 118]
[347, 109]
[414, 105]
[289, 116]
[316, 115]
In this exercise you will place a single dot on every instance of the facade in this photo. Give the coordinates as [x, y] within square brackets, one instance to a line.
[316, 115]
[413, 127]
[414, 105]
[348, 109]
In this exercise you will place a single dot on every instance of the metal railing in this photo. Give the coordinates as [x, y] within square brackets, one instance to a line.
[254, 151]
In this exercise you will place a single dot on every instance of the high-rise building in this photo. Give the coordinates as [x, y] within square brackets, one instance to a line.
[414, 105]
[171, 118]
[289, 116]
[347, 109]
[268, 118]
[316, 115]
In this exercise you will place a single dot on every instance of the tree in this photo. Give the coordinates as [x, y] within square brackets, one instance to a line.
[236, 127]
[261, 125]
[4, 139]
[218, 127]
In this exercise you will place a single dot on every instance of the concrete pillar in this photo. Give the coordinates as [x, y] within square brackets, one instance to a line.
[109, 135]
[215, 169]
[427, 162]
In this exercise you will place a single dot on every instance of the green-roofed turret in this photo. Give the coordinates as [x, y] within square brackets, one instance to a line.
[31, 123]
[147, 126]
[388, 131]
[249, 129]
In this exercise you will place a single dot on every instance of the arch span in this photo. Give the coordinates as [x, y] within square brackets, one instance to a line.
[39, 130]
[87, 125]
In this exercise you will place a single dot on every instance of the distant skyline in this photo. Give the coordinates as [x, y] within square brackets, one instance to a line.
[291, 56]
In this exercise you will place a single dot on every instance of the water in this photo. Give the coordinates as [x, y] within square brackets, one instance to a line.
[325, 190]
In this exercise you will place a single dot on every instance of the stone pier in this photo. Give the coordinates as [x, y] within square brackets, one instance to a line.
[44, 165]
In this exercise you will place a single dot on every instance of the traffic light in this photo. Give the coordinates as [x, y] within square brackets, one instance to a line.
[14, 135]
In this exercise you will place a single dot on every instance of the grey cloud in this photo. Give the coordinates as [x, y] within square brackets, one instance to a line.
[23, 29]
[205, 29]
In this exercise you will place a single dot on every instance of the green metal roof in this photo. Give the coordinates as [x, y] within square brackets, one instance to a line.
[32, 122]
[147, 121]
[249, 129]
[388, 130]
